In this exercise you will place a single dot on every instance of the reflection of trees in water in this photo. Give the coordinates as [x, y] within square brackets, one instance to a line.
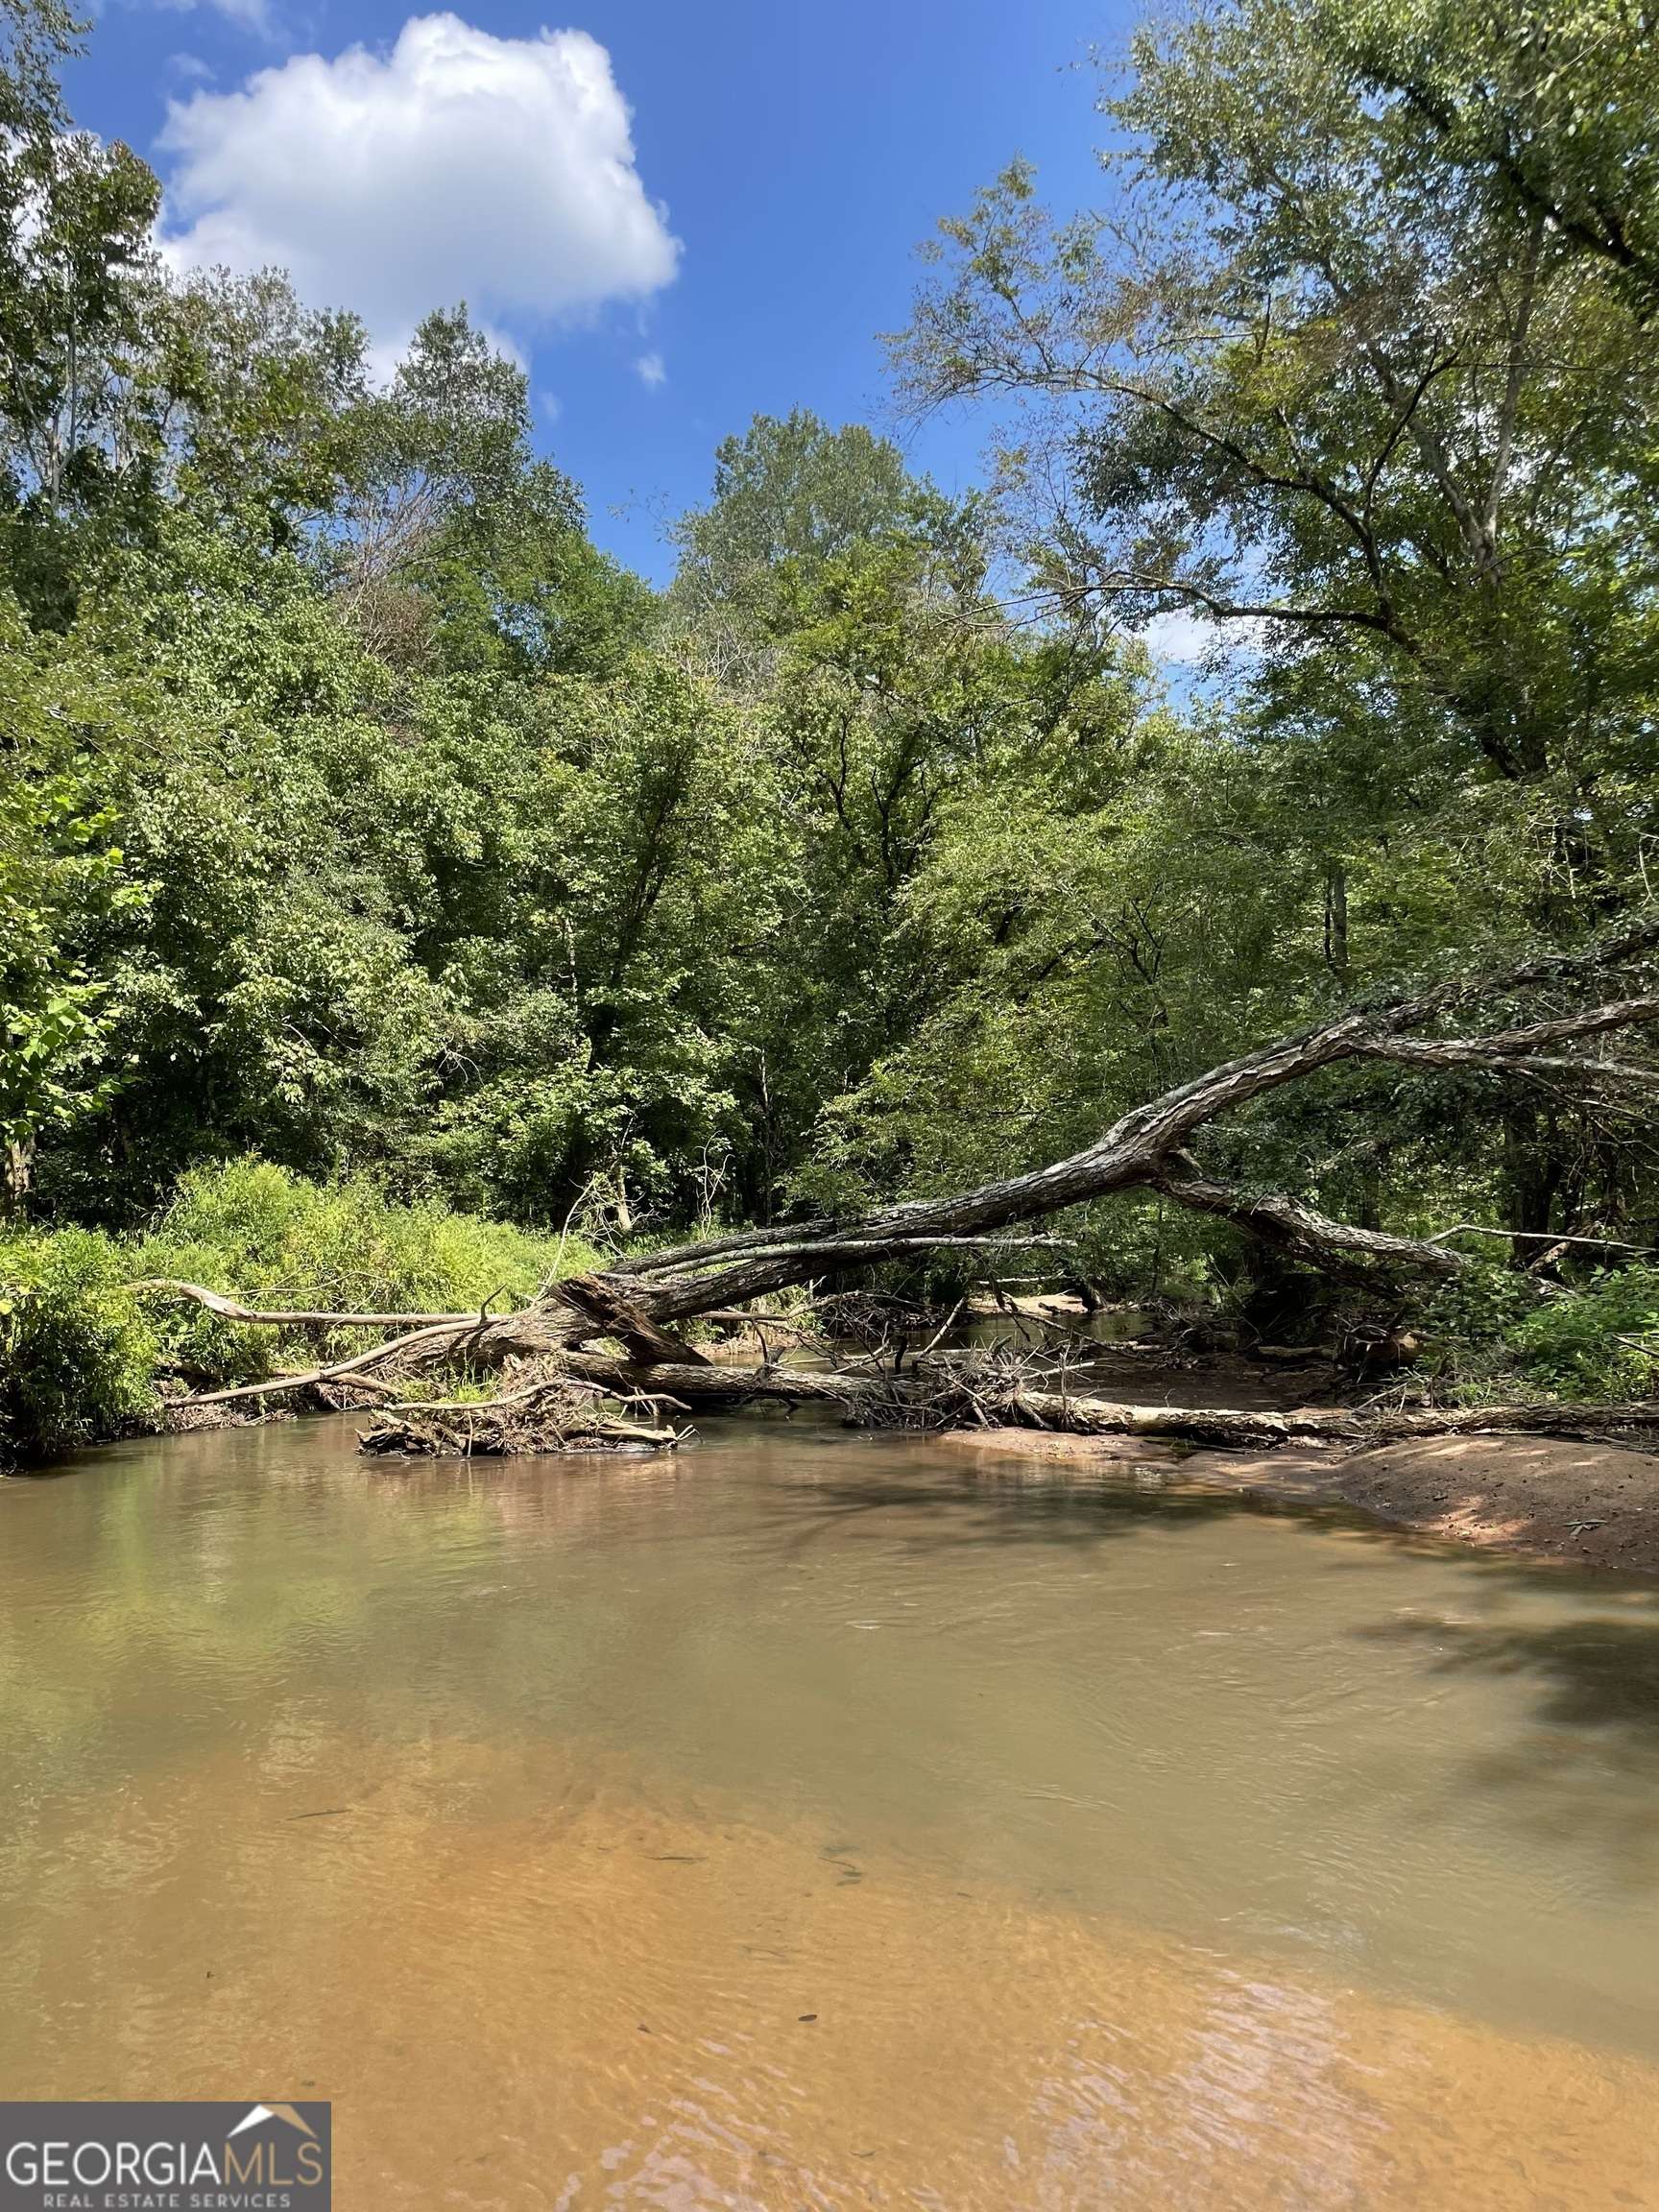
[1587, 1769]
[1047, 1503]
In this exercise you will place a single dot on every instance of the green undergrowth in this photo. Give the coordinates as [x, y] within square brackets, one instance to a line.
[1496, 1340]
[85, 1356]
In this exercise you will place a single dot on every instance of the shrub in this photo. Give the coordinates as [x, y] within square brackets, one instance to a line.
[81, 1355]
[1597, 1339]
[78, 1354]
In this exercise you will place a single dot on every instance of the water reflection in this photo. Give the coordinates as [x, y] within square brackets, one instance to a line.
[1599, 1672]
[826, 1820]
[1585, 1774]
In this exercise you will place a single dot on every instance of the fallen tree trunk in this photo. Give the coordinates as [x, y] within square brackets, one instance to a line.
[1144, 1146]
[968, 1389]
[638, 1301]
[958, 1391]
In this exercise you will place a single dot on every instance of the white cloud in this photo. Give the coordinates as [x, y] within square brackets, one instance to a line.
[1181, 635]
[253, 15]
[456, 166]
[1188, 637]
[651, 370]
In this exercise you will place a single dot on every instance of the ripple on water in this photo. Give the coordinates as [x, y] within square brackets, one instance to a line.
[809, 1823]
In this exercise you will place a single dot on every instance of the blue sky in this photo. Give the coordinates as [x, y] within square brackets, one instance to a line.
[785, 163]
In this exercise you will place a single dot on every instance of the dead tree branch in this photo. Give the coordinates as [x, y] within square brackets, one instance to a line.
[1301, 1232]
[269, 1317]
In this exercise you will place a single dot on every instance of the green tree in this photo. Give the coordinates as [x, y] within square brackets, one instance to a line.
[76, 266]
[1330, 382]
[452, 538]
[60, 733]
[1405, 443]
[791, 495]
[1550, 110]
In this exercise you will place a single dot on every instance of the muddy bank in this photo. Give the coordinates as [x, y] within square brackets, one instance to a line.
[1592, 1504]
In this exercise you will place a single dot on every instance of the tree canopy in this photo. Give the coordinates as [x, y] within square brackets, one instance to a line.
[358, 813]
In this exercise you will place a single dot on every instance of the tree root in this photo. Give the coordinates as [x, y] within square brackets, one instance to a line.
[554, 1412]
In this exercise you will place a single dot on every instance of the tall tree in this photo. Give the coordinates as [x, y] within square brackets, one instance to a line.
[75, 260]
[1318, 379]
[1551, 108]
[1355, 375]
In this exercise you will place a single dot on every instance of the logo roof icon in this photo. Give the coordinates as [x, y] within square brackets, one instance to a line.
[257, 2114]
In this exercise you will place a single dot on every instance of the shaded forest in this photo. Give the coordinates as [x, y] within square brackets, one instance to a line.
[375, 850]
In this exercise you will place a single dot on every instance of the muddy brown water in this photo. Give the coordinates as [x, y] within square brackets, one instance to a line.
[824, 1820]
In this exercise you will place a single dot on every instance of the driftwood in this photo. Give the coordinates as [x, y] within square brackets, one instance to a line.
[1003, 1389]
[284, 1317]
[554, 1411]
[998, 1389]
[636, 1302]
[530, 1422]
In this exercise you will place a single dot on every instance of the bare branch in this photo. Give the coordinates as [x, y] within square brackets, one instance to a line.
[1512, 1044]
[231, 1310]
[1304, 1232]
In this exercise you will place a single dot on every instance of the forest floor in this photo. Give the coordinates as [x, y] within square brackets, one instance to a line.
[1583, 1504]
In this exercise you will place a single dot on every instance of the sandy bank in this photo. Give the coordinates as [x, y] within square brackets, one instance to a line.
[1589, 1504]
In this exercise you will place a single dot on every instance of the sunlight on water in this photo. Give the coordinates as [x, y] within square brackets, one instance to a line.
[822, 1820]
